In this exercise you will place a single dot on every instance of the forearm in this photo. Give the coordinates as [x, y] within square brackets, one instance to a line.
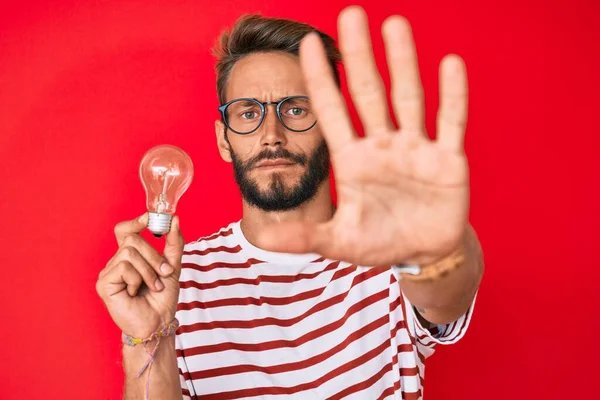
[444, 300]
[164, 375]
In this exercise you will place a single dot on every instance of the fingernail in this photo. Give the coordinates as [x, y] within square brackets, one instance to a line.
[166, 268]
[159, 285]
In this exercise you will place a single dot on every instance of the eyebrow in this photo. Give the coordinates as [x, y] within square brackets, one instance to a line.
[273, 101]
[247, 103]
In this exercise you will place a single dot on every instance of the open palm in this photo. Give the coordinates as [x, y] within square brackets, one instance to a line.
[402, 197]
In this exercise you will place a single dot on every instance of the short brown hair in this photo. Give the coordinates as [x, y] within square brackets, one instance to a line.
[255, 33]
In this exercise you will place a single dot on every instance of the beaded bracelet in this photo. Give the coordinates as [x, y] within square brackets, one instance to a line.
[167, 330]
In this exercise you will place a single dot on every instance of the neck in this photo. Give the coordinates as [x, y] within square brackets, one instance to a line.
[318, 209]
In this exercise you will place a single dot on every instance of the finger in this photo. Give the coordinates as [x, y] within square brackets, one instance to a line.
[148, 274]
[131, 277]
[174, 245]
[452, 114]
[407, 90]
[123, 278]
[364, 82]
[325, 97]
[109, 265]
[125, 228]
[152, 257]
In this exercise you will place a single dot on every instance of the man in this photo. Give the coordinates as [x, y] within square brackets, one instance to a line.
[300, 298]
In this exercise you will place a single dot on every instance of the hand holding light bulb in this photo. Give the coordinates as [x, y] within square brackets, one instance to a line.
[140, 286]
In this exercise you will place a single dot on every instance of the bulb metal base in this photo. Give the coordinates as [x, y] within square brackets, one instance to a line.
[159, 223]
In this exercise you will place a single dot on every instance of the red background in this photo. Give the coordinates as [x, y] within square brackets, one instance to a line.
[86, 87]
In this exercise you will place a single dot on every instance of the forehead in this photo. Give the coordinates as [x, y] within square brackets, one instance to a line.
[266, 76]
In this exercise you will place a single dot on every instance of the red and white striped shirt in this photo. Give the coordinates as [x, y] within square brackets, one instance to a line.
[258, 324]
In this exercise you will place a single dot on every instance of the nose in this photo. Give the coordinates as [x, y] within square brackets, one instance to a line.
[273, 132]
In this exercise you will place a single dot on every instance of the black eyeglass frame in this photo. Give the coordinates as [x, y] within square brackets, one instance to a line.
[263, 109]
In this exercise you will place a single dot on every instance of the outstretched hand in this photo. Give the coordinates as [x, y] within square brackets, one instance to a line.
[402, 197]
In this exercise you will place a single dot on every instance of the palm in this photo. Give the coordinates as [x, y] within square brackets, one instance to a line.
[397, 191]
[402, 196]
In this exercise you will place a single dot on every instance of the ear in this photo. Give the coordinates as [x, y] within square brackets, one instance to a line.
[224, 147]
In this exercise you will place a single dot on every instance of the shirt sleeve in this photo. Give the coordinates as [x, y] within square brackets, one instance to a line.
[184, 377]
[424, 340]
[427, 339]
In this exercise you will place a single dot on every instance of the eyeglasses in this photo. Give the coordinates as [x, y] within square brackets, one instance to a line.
[246, 115]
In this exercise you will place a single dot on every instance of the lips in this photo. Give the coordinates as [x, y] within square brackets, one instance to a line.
[274, 163]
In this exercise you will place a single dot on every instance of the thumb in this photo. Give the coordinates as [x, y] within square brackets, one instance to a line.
[174, 244]
[293, 237]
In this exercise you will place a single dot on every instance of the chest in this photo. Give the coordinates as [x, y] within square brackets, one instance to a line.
[257, 309]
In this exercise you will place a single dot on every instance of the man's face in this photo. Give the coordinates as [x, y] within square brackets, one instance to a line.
[301, 158]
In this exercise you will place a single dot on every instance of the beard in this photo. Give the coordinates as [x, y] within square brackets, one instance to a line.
[278, 197]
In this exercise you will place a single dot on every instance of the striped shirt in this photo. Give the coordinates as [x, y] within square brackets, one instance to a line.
[256, 324]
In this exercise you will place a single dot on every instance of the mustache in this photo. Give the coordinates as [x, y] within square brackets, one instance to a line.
[280, 153]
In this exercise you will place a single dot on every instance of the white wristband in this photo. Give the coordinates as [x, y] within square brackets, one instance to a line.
[408, 269]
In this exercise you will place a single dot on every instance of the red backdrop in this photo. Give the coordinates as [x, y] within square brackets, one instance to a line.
[86, 87]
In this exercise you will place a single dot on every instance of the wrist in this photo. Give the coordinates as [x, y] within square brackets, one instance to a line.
[466, 254]
[167, 329]
[162, 379]
[435, 270]
[148, 325]
[154, 355]
[140, 352]
[439, 267]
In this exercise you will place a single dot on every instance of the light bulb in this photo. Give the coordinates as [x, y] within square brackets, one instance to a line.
[166, 172]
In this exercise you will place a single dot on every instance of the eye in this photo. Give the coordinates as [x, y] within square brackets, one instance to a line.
[249, 114]
[296, 111]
